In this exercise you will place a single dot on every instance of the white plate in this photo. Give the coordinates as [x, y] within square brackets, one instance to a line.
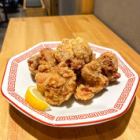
[112, 103]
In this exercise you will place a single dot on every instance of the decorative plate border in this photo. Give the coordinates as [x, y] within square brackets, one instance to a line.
[118, 106]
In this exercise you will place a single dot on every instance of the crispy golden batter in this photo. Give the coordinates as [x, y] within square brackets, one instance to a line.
[33, 64]
[91, 73]
[42, 62]
[57, 85]
[75, 52]
[109, 66]
[84, 92]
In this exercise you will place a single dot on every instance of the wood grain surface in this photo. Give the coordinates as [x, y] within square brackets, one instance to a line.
[22, 34]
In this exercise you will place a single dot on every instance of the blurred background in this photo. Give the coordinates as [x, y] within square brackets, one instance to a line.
[121, 16]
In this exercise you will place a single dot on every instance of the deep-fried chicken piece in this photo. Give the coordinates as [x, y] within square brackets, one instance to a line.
[84, 92]
[95, 81]
[42, 62]
[33, 63]
[91, 73]
[58, 85]
[109, 66]
[48, 55]
[75, 52]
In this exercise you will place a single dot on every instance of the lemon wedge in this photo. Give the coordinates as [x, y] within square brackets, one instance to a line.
[35, 99]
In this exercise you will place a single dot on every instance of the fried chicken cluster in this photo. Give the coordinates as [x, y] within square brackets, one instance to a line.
[72, 69]
[42, 62]
[75, 52]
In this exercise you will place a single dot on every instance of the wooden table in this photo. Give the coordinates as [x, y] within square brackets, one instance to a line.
[22, 34]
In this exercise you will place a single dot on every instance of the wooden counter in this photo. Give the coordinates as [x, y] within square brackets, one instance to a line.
[22, 34]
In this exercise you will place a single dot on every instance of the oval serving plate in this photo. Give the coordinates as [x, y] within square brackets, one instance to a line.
[108, 105]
